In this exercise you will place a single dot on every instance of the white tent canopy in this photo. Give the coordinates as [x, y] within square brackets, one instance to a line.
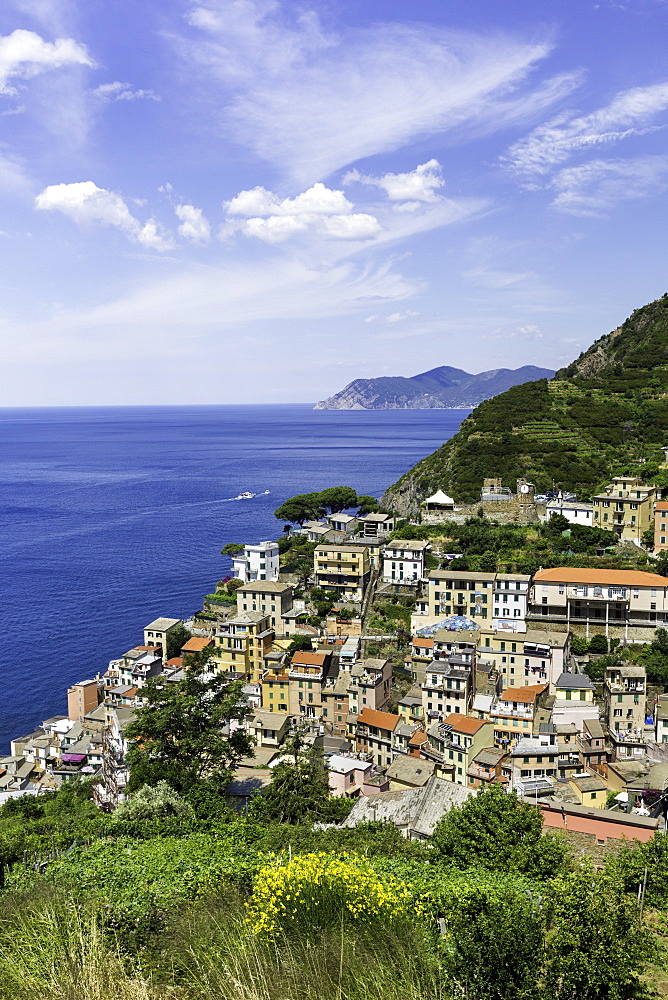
[440, 498]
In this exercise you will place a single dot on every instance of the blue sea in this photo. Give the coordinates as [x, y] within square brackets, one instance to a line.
[111, 517]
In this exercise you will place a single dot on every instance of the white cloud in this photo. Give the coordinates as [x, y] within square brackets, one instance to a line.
[597, 186]
[117, 91]
[311, 102]
[25, 54]
[412, 187]
[194, 226]
[628, 114]
[393, 318]
[86, 204]
[318, 200]
[320, 211]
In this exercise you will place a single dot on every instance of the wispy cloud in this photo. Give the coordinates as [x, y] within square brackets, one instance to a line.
[25, 54]
[87, 204]
[393, 318]
[193, 303]
[630, 113]
[598, 186]
[311, 102]
[117, 91]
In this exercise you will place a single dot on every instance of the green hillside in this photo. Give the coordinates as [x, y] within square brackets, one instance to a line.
[606, 413]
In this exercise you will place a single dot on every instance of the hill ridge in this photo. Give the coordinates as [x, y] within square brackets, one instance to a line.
[437, 388]
[604, 413]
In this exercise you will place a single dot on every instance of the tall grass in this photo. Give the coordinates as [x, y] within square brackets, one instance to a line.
[214, 956]
[54, 949]
[51, 949]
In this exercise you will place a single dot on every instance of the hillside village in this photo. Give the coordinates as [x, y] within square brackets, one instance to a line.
[479, 680]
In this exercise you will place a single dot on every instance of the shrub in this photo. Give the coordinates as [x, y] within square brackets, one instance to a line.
[316, 891]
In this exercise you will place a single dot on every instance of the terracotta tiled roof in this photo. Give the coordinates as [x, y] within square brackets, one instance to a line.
[309, 659]
[527, 694]
[661, 505]
[608, 577]
[196, 644]
[464, 723]
[420, 641]
[382, 720]
[418, 738]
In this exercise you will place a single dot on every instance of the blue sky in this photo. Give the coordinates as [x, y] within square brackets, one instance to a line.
[253, 201]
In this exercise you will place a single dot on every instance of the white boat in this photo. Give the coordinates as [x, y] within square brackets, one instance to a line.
[245, 496]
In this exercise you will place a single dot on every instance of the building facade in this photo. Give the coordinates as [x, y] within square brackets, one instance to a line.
[403, 562]
[627, 604]
[344, 568]
[257, 562]
[626, 507]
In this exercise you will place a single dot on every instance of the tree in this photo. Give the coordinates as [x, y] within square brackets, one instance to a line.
[486, 955]
[304, 507]
[176, 640]
[151, 810]
[338, 498]
[299, 790]
[579, 645]
[598, 643]
[233, 585]
[367, 505]
[596, 944]
[498, 831]
[300, 642]
[232, 549]
[179, 734]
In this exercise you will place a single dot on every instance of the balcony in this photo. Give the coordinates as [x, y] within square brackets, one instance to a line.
[598, 594]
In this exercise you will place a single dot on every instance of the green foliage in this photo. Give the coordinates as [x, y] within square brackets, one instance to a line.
[232, 549]
[177, 734]
[629, 865]
[498, 831]
[598, 643]
[311, 506]
[596, 943]
[494, 946]
[154, 809]
[300, 642]
[579, 645]
[299, 790]
[55, 819]
[177, 637]
[601, 416]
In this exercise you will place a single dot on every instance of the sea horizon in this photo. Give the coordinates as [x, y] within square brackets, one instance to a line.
[110, 521]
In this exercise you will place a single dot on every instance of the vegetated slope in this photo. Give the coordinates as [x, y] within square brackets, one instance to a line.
[435, 389]
[605, 413]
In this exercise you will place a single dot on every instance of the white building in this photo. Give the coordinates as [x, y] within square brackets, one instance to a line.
[511, 595]
[403, 561]
[257, 562]
[575, 511]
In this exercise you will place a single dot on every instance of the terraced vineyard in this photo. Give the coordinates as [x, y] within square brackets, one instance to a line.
[606, 413]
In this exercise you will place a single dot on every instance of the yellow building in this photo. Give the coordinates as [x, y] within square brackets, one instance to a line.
[242, 644]
[591, 791]
[344, 568]
[275, 685]
[626, 507]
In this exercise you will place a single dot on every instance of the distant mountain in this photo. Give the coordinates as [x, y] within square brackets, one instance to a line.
[436, 389]
[604, 414]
